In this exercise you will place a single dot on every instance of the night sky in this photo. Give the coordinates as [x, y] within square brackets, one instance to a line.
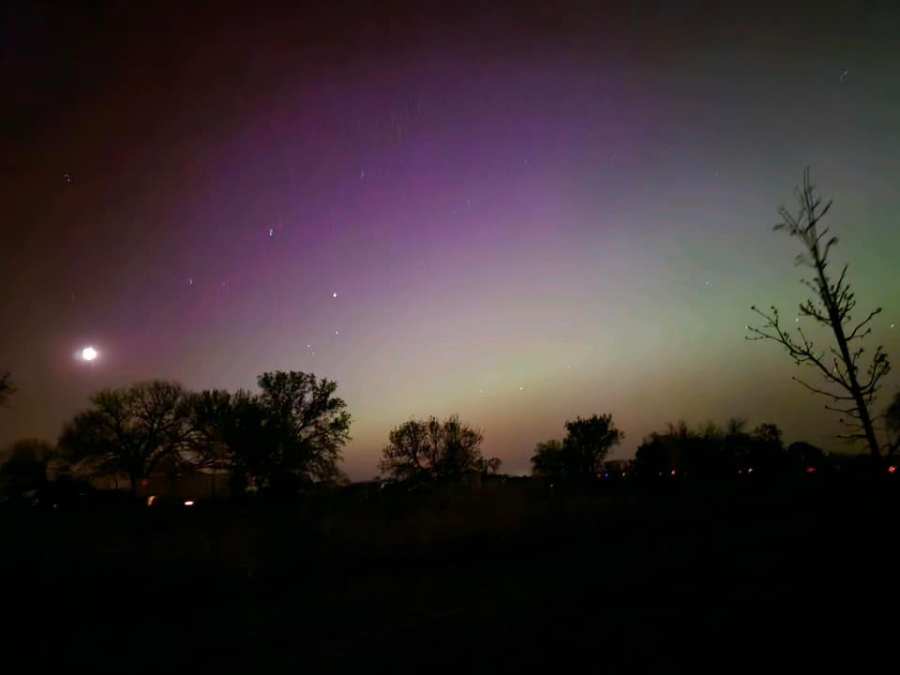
[525, 215]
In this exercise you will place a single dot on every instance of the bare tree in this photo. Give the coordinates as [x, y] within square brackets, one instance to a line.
[132, 430]
[6, 388]
[851, 387]
[434, 450]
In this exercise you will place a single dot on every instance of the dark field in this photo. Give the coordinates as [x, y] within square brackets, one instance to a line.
[799, 576]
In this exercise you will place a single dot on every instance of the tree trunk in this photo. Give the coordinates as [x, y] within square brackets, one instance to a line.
[134, 480]
[838, 328]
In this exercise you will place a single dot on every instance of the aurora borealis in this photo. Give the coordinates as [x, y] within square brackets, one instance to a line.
[525, 215]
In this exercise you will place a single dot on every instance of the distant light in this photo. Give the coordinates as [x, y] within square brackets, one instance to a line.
[334, 295]
[189, 502]
[750, 470]
[150, 500]
[89, 354]
[810, 469]
[673, 472]
[892, 469]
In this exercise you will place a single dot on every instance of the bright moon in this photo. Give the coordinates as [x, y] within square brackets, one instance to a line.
[89, 354]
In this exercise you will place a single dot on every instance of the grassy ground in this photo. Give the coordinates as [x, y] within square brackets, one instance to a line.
[502, 582]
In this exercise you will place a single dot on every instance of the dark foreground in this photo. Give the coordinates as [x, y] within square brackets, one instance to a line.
[796, 577]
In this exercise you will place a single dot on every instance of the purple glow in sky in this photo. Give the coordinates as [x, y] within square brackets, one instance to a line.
[484, 213]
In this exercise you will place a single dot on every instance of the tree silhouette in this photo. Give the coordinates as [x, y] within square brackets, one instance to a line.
[25, 467]
[769, 433]
[711, 452]
[306, 426]
[6, 387]
[804, 455]
[548, 460]
[131, 430]
[434, 450]
[681, 452]
[735, 426]
[291, 433]
[892, 422]
[832, 306]
[230, 433]
[763, 450]
[579, 457]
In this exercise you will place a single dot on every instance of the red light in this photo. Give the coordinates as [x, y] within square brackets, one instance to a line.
[810, 469]
[892, 469]
[673, 472]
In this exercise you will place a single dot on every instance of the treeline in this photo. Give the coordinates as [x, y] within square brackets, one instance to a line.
[679, 452]
[713, 452]
[289, 434]
[276, 441]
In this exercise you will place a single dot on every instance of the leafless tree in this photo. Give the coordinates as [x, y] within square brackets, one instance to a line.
[434, 450]
[132, 430]
[851, 386]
